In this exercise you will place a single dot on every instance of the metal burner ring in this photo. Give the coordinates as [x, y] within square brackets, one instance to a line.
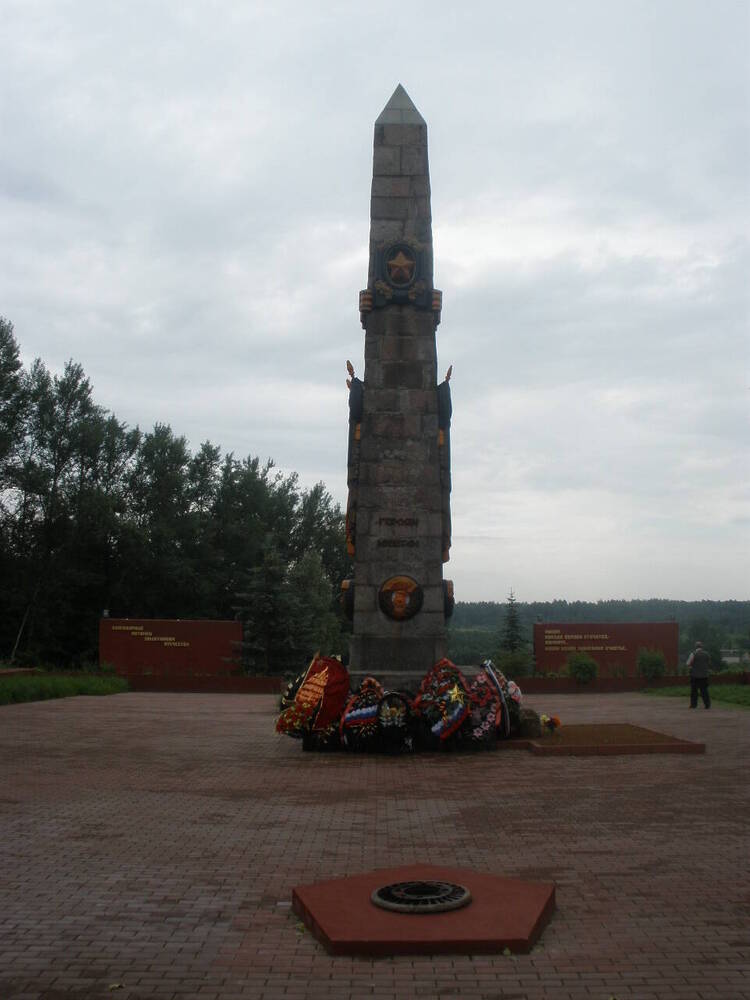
[427, 896]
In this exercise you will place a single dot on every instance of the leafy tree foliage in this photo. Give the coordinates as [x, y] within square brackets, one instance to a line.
[651, 663]
[96, 515]
[519, 663]
[12, 396]
[582, 667]
[288, 613]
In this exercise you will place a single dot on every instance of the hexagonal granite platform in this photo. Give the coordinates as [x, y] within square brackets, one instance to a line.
[503, 913]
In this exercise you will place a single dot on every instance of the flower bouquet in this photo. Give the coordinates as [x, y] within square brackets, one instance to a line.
[549, 722]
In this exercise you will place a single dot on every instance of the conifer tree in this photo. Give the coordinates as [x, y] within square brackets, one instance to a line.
[511, 636]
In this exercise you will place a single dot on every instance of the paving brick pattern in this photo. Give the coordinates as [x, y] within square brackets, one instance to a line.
[149, 844]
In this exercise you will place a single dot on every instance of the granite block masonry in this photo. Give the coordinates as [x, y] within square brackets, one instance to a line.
[398, 512]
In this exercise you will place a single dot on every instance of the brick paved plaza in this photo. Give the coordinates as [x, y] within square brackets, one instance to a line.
[151, 842]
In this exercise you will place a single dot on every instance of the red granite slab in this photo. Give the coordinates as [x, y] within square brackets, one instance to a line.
[611, 739]
[504, 913]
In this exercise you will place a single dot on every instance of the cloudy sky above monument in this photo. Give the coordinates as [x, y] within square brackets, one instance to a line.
[185, 211]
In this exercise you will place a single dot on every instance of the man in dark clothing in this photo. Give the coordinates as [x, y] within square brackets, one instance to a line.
[699, 662]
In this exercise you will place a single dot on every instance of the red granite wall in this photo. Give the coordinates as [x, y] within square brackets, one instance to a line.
[614, 646]
[180, 651]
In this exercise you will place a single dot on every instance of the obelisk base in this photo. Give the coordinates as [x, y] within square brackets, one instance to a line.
[380, 655]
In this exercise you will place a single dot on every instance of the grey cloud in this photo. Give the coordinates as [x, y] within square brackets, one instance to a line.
[185, 212]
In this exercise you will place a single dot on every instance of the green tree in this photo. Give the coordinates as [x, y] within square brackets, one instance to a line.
[511, 635]
[95, 515]
[651, 663]
[515, 664]
[200, 550]
[710, 634]
[91, 553]
[254, 505]
[44, 480]
[582, 667]
[157, 578]
[320, 527]
[316, 625]
[268, 613]
[287, 613]
[12, 400]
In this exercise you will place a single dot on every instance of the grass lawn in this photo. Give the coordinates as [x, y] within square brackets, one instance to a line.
[37, 687]
[730, 694]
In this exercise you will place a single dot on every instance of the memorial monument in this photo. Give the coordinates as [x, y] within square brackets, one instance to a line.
[400, 693]
[398, 512]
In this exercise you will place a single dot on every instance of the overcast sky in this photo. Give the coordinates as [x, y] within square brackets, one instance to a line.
[185, 211]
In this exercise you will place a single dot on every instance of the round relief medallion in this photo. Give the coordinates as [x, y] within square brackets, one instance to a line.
[400, 598]
[400, 265]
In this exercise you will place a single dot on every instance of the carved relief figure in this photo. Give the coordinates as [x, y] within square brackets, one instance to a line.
[445, 411]
[356, 402]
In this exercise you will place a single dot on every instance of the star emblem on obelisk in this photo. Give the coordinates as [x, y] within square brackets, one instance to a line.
[400, 268]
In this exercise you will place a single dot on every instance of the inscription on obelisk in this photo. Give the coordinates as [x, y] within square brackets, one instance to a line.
[398, 514]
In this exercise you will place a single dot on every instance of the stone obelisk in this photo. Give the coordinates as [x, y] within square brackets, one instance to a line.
[398, 514]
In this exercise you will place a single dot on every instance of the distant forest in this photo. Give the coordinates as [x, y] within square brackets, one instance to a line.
[475, 626]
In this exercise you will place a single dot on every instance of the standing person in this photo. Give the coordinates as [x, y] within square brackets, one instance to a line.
[699, 662]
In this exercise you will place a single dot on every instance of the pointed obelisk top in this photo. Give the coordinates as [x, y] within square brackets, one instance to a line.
[400, 110]
[400, 202]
